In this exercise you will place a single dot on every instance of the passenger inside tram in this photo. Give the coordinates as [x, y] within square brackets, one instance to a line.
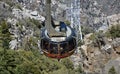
[63, 27]
[53, 48]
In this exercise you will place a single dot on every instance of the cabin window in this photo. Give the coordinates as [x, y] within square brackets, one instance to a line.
[72, 44]
[53, 48]
[45, 44]
[64, 47]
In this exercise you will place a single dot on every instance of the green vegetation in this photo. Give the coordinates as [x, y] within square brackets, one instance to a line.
[98, 39]
[5, 35]
[9, 2]
[19, 7]
[80, 70]
[30, 42]
[35, 22]
[112, 71]
[32, 62]
[86, 30]
[114, 31]
[12, 3]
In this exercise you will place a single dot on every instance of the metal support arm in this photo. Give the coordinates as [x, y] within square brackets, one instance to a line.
[51, 31]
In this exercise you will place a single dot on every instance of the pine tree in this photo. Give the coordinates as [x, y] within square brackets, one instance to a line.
[112, 71]
[5, 35]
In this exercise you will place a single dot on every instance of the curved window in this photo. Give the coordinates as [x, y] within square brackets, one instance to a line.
[63, 47]
[72, 44]
[44, 44]
[53, 48]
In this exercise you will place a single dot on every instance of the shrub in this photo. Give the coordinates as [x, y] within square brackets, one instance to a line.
[32, 62]
[19, 7]
[86, 30]
[4, 35]
[114, 31]
[112, 71]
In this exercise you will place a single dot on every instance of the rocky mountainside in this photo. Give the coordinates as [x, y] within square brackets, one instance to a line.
[96, 55]
[96, 13]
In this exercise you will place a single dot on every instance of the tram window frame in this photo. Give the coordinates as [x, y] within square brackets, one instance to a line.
[45, 44]
[74, 41]
[53, 48]
[64, 46]
[71, 44]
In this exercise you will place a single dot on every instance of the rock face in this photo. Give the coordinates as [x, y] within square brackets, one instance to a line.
[94, 59]
[116, 42]
[96, 13]
[5, 10]
[114, 19]
[109, 7]
[25, 13]
[113, 63]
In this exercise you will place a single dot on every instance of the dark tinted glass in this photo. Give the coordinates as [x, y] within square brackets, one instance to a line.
[44, 44]
[63, 47]
[53, 48]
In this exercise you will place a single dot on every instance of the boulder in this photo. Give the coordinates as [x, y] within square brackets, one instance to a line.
[116, 42]
[107, 48]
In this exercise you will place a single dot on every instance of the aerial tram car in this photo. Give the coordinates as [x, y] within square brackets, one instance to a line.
[58, 42]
